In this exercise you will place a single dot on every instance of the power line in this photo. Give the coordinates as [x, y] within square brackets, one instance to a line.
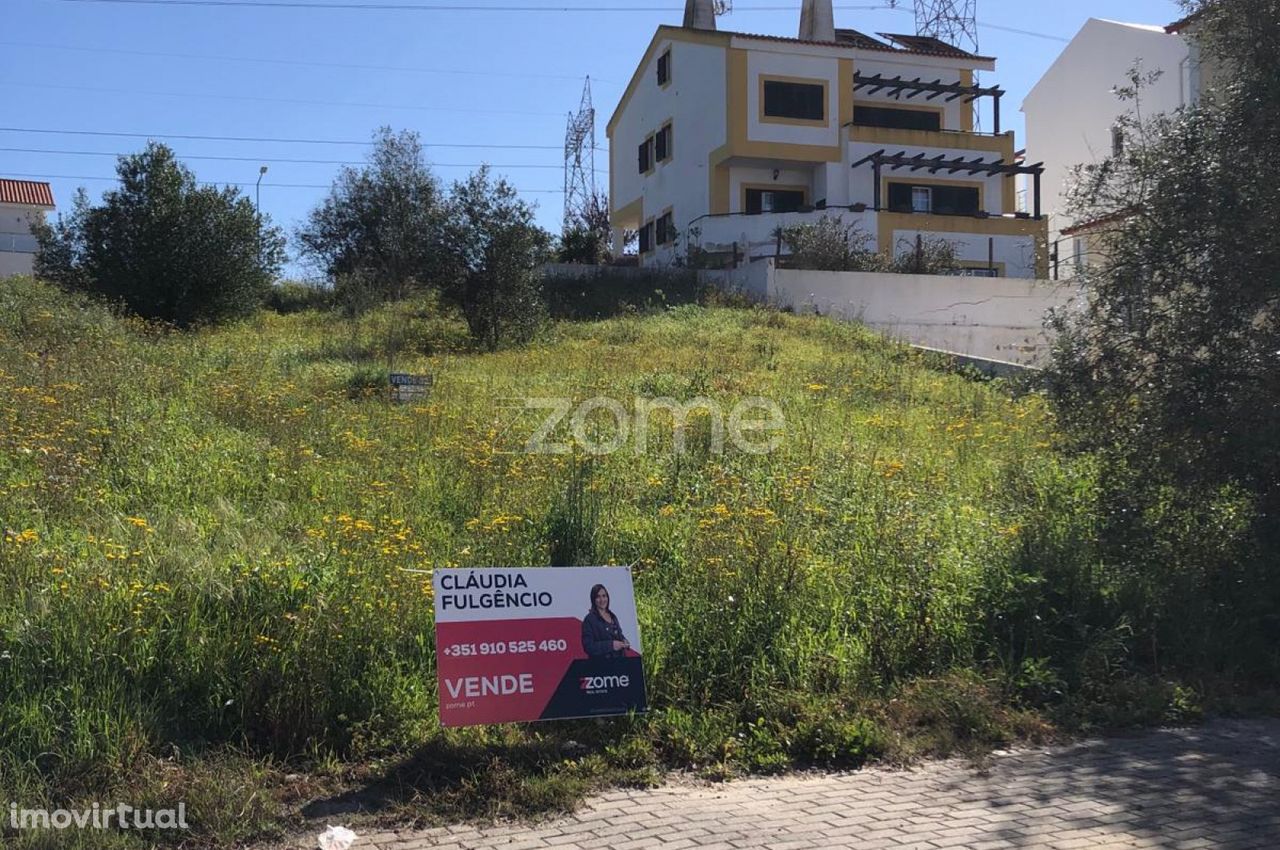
[193, 137]
[298, 62]
[226, 183]
[257, 99]
[272, 160]
[1031, 33]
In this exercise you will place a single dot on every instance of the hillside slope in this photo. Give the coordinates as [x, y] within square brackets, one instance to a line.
[223, 539]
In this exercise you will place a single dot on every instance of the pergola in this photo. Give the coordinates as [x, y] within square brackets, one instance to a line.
[953, 165]
[899, 88]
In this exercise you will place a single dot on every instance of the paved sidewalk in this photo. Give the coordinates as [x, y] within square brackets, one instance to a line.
[1217, 786]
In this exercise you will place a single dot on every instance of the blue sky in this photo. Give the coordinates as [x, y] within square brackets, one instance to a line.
[457, 76]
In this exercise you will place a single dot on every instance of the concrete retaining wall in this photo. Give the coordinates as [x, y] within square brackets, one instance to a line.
[990, 318]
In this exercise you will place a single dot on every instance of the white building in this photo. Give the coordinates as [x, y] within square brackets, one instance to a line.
[721, 137]
[1073, 112]
[21, 203]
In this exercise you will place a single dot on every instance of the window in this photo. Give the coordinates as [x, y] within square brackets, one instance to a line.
[942, 200]
[662, 143]
[646, 238]
[802, 101]
[1078, 252]
[899, 119]
[666, 229]
[774, 200]
[646, 155]
[664, 68]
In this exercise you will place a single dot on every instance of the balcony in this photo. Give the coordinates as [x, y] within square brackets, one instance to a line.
[749, 236]
[904, 90]
[18, 243]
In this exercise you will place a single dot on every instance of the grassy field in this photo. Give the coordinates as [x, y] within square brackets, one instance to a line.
[217, 545]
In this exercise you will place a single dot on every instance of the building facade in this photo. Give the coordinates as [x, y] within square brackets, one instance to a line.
[1074, 117]
[721, 138]
[22, 202]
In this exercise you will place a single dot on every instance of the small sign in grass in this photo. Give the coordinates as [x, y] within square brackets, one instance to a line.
[406, 387]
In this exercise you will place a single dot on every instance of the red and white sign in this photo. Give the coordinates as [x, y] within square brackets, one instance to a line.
[536, 644]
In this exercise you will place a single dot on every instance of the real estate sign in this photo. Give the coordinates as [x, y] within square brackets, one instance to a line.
[407, 388]
[543, 643]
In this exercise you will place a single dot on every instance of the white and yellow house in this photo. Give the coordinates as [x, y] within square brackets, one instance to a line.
[722, 137]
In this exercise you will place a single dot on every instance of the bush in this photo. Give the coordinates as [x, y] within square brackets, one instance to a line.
[496, 247]
[831, 245]
[293, 296]
[610, 292]
[167, 247]
[586, 238]
[384, 221]
[1169, 373]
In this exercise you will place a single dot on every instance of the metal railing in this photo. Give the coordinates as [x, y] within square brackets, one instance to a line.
[18, 243]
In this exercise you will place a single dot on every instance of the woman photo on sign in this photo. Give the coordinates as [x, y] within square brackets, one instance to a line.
[601, 635]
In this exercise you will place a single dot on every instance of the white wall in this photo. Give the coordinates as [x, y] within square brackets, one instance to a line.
[991, 318]
[17, 244]
[952, 112]
[769, 64]
[754, 234]
[17, 218]
[1071, 110]
[683, 183]
[14, 264]
[1018, 253]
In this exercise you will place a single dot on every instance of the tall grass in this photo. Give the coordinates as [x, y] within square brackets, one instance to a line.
[213, 548]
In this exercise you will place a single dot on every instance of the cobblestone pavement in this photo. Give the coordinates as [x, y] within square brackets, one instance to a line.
[1217, 786]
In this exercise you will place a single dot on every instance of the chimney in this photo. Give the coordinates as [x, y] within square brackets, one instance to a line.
[699, 15]
[817, 22]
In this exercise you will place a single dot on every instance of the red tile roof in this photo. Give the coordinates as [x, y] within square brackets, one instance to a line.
[1095, 223]
[1179, 26]
[26, 192]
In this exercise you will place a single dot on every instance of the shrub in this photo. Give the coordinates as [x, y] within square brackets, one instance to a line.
[1169, 372]
[293, 296]
[610, 292]
[831, 245]
[586, 237]
[167, 247]
[384, 221]
[496, 247]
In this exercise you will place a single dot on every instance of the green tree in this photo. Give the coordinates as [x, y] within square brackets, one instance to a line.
[1171, 370]
[497, 249]
[163, 245]
[1176, 356]
[384, 220]
[587, 238]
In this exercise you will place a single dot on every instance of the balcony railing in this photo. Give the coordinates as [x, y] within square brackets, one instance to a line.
[749, 235]
[899, 88]
[18, 243]
[876, 129]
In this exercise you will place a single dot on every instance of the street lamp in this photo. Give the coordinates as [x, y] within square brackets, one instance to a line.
[257, 191]
[257, 206]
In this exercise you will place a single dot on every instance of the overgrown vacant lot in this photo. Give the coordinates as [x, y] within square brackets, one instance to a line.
[216, 554]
